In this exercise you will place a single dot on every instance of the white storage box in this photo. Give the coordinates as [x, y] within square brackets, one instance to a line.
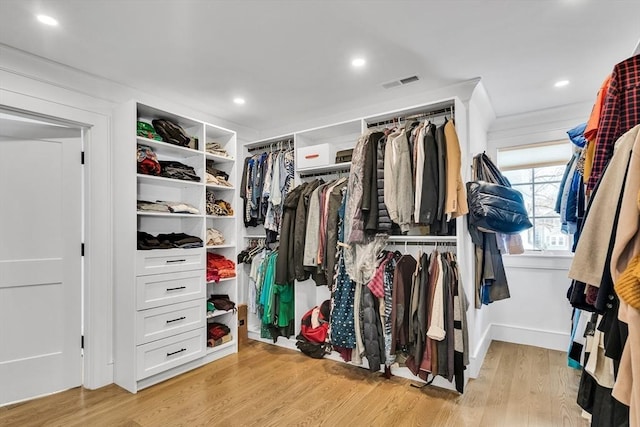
[313, 156]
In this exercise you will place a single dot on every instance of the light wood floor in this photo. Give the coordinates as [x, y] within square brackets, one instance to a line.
[264, 385]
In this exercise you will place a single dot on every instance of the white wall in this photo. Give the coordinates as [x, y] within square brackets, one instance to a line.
[538, 312]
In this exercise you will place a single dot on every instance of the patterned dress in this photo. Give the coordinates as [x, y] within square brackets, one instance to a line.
[342, 326]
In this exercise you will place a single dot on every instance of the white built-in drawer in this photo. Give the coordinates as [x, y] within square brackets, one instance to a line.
[163, 322]
[163, 289]
[158, 356]
[313, 156]
[169, 260]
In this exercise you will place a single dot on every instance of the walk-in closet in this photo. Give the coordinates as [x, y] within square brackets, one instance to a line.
[266, 212]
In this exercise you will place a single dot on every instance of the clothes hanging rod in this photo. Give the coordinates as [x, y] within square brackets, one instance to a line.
[270, 145]
[420, 243]
[441, 112]
[413, 238]
[324, 173]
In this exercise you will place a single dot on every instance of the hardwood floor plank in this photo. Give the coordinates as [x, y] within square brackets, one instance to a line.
[539, 403]
[517, 406]
[468, 409]
[494, 413]
[264, 385]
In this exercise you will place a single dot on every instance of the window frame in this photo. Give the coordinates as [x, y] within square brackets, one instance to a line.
[531, 181]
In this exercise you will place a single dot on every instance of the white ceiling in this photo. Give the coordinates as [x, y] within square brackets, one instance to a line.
[291, 59]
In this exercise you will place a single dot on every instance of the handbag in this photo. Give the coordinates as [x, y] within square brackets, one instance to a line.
[222, 302]
[496, 208]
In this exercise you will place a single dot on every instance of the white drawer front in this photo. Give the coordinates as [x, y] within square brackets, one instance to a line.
[158, 356]
[163, 289]
[315, 155]
[163, 322]
[169, 260]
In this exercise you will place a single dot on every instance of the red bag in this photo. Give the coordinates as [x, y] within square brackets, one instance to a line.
[312, 331]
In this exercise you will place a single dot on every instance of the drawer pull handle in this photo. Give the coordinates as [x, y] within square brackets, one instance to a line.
[176, 352]
[176, 289]
[169, 261]
[175, 320]
[311, 156]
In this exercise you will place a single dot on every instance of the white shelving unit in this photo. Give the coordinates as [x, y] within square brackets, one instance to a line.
[161, 294]
[344, 135]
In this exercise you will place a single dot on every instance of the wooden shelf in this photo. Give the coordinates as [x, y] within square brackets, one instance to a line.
[221, 216]
[231, 245]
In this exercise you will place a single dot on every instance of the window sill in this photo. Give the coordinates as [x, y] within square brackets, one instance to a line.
[539, 260]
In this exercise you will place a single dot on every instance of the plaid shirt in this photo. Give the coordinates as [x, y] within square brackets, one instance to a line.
[620, 112]
[376, 285]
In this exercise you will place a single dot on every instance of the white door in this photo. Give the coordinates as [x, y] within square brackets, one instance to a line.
[40, 260]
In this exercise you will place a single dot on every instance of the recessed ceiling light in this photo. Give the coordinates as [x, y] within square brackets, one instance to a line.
[239, 101]
[358, 62]
[47, 20]
[561, 83]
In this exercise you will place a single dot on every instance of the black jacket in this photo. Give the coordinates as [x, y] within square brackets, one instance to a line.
[384, 221]
[285, 271]
[372, 335]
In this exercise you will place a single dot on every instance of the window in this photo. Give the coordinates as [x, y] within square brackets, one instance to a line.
[536, 171]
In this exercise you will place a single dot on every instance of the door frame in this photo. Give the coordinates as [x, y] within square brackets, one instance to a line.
[97, 363]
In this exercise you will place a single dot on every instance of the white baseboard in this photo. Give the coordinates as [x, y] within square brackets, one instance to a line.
[551, 340]
[476, 359]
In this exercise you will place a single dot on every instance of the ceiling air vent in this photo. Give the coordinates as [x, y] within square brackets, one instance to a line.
[396, 83]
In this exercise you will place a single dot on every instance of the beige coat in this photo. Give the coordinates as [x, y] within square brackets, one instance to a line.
[627, 245]
[590, 258]
[456, 198]
[398, 182]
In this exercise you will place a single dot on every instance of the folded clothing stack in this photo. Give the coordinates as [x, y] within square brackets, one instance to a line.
[214, 237]
[147, 161]
[147, 241]
[148, 164]
[216, 148]
[166, 207]
[219, 267]
[215, 171]
[217, 180]
[177, 170]
[218, 207]
[216, 176]
[218, 334]
[344, 156]
[174, 134]
[146, 130]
